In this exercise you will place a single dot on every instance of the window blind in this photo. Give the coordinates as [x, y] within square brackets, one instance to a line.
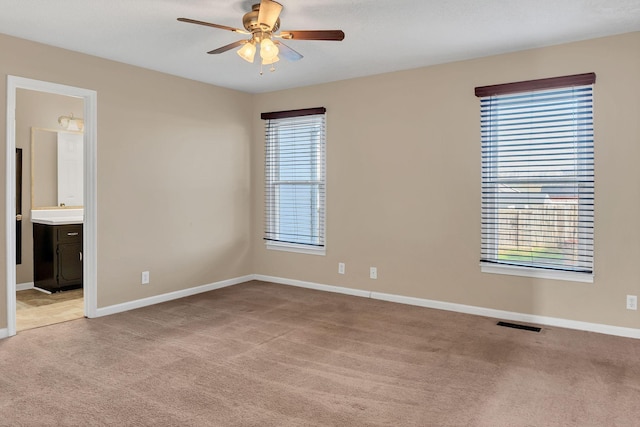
[295, 177]
[538, 177]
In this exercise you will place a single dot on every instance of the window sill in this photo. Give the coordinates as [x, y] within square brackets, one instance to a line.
[293, 247]
[536, 273]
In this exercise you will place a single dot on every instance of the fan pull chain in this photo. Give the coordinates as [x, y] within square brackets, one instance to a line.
[272, 69]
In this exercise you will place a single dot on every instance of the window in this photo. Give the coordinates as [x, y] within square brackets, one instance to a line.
[295, 180]
[538, 178]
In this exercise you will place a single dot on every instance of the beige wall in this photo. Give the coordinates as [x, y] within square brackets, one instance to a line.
[180, 179]
[41, 110]
[403, 190]
[173, 172]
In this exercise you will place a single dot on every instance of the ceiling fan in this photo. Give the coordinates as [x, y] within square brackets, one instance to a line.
[262, 24]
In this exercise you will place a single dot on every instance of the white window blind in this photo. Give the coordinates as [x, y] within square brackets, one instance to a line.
[538, 174]
[295, 177]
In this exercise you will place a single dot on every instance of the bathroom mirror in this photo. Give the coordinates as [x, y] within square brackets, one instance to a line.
[56, 169]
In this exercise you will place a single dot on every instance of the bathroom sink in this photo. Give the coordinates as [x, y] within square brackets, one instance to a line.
[57, 216]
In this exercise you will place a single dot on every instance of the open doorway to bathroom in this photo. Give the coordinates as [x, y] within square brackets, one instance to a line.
[64, 288]
[35, 308]
[49, 136]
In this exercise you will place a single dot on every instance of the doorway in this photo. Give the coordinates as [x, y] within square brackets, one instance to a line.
[35, 308]
[89, 244]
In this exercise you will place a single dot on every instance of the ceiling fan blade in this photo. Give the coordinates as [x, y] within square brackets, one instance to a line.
[269, 12]
[209, 24]
[330, 35]
[228, 47]
[287, 52]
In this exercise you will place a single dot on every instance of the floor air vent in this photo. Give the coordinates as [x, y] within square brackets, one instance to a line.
[516, 326]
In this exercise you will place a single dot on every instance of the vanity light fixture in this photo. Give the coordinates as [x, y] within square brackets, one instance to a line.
[71, 123]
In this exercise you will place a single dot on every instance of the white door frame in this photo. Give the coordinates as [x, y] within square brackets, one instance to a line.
[90, 246]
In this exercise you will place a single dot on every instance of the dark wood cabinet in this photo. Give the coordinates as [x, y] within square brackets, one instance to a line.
[57, 256]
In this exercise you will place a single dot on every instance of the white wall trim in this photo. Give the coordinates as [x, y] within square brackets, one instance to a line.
[24, 286]
[538, 273]
[420, 302]
[461, 308]
[90, 246]
[510, 315]
[311, 285]
[295, 247]
[157, 299]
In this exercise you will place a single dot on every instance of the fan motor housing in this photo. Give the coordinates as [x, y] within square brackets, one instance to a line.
[250, 20]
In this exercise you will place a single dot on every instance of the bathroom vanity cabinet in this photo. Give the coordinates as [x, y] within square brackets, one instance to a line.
[57, 256]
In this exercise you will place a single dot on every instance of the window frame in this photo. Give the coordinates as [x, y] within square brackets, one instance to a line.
[536, 271]
[271, 184]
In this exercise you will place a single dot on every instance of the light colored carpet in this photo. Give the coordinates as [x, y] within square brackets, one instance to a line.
[35, 309]
[261, 354]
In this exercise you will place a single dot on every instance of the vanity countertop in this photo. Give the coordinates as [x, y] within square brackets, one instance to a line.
[63, 220]
[57, 216]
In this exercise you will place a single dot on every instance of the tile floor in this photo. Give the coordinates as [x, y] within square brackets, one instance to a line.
[35, 308]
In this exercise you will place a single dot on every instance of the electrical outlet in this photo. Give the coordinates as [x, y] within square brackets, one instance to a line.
[373, 273]
[145, 277]
[341, 267]
[632, 302]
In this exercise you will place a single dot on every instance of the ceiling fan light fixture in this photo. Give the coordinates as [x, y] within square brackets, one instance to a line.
[248, 51]
[268, 49]
[262, 24]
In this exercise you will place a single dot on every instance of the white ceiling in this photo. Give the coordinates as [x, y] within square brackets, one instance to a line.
[381, 36]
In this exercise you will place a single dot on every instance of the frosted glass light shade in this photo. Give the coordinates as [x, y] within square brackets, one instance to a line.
[268, 49]
[71, 123]
[247, 51]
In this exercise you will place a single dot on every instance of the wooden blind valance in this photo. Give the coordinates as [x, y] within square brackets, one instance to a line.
[540, 84]
[293, 113]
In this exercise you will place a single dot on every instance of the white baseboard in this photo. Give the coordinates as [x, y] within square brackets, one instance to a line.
[4, 333]
[311, 285]
[461, 308]
[439, 305]
[510, 315]
[157, 299]
[24, 286]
